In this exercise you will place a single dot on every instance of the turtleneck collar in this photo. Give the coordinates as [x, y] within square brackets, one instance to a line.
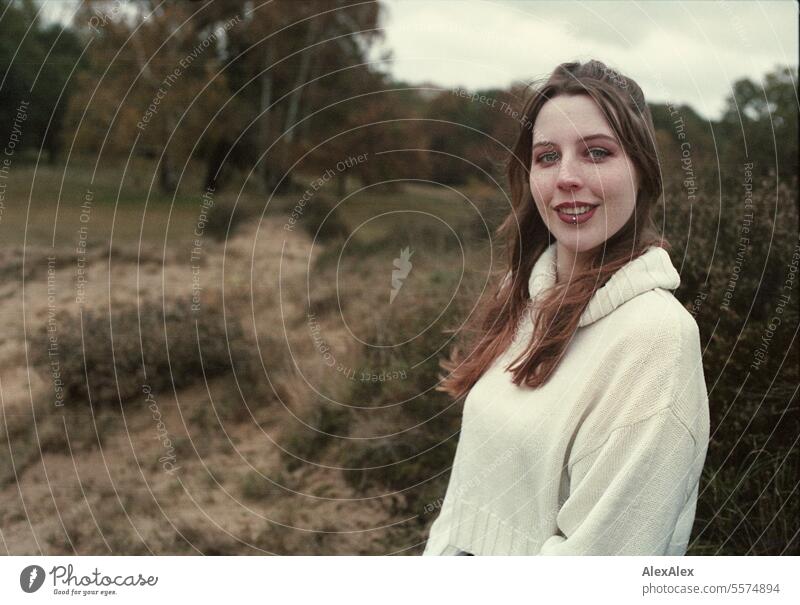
[651, 270]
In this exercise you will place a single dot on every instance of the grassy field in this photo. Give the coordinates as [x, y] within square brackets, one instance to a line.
[243, 447]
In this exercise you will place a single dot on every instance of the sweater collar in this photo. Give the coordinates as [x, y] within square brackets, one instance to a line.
[651, 270]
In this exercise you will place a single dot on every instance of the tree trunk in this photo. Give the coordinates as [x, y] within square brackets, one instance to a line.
[266, 172]
[168, 177]
[302, 78]
[214, 166]
[294, 102]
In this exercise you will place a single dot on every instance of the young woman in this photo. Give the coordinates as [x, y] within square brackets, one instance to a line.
[585, 423]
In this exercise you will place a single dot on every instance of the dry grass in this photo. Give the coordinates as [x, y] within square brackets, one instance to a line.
[89, 480]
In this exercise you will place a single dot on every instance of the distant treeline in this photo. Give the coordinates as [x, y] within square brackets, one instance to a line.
[287, 89]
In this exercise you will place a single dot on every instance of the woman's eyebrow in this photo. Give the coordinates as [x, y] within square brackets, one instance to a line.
[590, 137]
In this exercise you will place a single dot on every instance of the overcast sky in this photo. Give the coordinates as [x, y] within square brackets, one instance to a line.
[687, 52]
[680, 51]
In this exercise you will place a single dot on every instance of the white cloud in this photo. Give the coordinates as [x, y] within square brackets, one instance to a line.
[687, 52]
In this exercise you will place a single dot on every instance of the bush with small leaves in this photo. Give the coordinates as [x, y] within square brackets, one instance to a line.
[322, 219]
[225, 216]
[108, 358]
[327, 422]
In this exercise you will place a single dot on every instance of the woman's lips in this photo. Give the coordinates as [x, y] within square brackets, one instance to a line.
[576, 219]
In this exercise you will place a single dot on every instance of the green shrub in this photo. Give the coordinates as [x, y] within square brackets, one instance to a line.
[750, 508]
[226, 215]
[414, 461]
[162, 347]
[328, 421]
[323, 220]
[254, 486]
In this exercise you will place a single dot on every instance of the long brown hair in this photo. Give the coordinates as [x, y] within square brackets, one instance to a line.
[526, 237]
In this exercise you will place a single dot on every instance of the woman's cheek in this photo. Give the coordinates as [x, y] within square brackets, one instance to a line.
[538, 189]
[623, 179]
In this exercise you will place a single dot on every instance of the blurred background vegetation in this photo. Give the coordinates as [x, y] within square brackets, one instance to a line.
[298, 398]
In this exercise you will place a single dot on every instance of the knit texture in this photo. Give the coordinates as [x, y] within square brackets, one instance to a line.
[603, 459]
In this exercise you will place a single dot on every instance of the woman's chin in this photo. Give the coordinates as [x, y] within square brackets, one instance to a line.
[578, 247]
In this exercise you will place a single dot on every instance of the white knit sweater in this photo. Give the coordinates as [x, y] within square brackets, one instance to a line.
[603, 459]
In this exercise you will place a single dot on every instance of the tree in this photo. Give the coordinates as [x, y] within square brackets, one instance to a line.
[35, 63]
[150, 79]
[242, 94]
[759, 124]
[293, 55]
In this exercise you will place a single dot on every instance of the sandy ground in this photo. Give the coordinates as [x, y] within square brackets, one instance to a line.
[116, 496]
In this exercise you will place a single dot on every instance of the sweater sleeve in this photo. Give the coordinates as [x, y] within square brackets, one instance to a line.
[440, 532]
[627, 496]
[439, 535]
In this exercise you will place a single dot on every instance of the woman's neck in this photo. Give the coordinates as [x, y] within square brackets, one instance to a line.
[568, 263]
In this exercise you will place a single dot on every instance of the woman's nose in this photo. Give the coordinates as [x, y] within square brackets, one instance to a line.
[568, 175]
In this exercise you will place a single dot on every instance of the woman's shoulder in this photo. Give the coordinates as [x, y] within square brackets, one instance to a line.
[654, 311]
[652, 358]
[653, 325]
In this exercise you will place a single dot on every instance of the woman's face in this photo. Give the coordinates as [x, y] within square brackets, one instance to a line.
[578, 164]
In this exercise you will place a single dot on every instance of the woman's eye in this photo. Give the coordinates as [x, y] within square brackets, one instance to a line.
[602, 153]
[596, 153]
